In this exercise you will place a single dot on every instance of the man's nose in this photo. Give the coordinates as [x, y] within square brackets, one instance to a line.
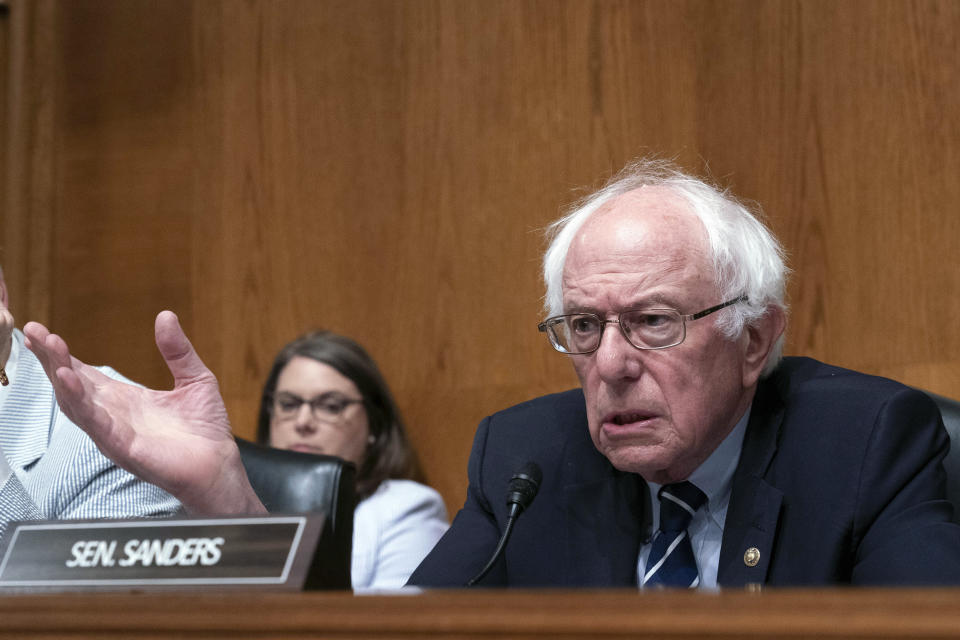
[617, 359]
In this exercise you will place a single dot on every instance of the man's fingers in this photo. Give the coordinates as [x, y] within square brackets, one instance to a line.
[50, 349]
[84, 412]
[182, 360]
[54, 355]
[35, 331]
[70, 393]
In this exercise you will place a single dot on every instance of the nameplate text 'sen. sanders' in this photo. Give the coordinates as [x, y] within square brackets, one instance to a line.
[230, 552]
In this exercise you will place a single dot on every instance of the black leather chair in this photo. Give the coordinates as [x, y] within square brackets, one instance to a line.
[950, 410]
[294, 482]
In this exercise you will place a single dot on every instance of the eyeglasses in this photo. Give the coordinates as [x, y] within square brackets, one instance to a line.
[327, 407]
[645, 328]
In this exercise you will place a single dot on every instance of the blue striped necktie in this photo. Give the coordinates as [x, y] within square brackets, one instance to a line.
[671, 562]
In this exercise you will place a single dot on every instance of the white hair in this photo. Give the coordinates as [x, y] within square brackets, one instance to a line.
[747, 259]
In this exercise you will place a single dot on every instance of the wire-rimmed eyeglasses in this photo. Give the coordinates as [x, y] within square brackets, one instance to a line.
[644, 328]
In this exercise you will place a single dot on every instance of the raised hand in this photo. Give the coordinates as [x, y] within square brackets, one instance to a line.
[179, 440]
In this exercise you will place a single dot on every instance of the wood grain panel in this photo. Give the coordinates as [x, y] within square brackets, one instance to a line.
[385, 169]
[124, 178]
[29, 176]
[852, 153]
[4, 118]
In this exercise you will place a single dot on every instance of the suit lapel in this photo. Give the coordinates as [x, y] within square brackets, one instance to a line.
[751, 524]
[608, 513]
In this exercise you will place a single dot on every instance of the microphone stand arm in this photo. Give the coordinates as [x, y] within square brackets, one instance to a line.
[515, 510]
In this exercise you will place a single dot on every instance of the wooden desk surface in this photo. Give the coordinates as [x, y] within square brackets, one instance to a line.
[819, 613]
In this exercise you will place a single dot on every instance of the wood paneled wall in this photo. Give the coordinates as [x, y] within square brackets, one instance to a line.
[384, 169]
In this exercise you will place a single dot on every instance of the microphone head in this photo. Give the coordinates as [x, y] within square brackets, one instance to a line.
[524, 485]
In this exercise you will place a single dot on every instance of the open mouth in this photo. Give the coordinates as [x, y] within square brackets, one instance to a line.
[629, 417]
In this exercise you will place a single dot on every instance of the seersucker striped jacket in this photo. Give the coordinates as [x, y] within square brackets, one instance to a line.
[58, 472]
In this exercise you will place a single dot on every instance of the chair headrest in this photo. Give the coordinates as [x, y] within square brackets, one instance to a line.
[291, 481]
[295, 482]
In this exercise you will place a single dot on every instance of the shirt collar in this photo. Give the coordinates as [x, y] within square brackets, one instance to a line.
[715, 475]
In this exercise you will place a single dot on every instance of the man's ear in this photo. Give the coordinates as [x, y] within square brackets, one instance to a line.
[3, 292]
[762, 334]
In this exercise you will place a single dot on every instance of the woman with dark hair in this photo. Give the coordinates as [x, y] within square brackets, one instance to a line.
[326, 395]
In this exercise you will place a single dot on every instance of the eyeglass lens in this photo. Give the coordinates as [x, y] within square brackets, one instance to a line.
[644, 328]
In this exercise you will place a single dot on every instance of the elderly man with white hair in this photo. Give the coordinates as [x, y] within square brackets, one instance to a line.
[693, 455]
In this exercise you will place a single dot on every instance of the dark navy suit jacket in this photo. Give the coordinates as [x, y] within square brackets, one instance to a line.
[840, 480]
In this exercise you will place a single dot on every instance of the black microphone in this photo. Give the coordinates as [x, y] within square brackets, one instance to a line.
[521, 491]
